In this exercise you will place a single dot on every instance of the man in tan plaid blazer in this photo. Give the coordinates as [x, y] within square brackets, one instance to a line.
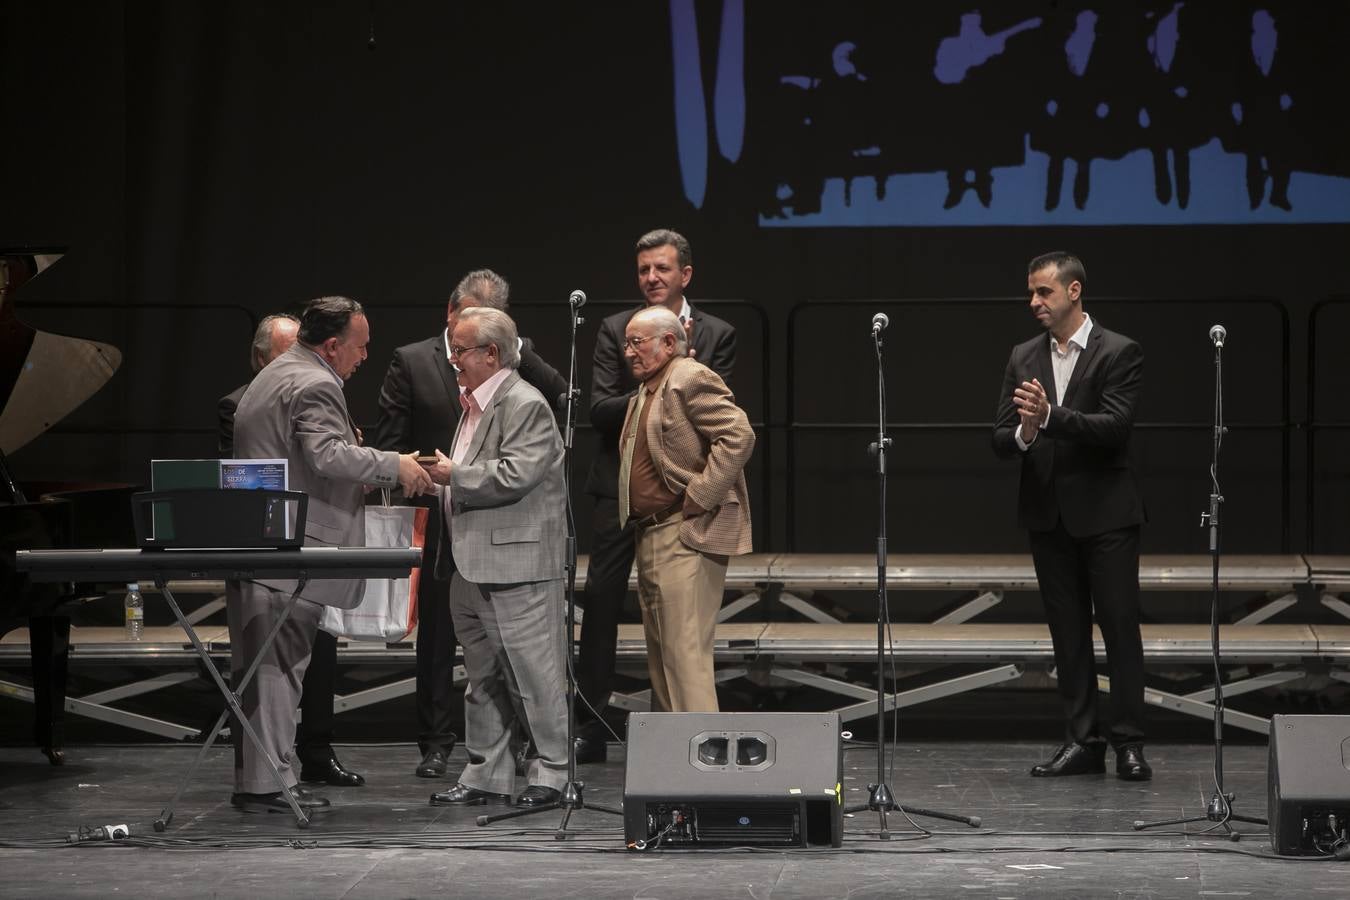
[683, 451]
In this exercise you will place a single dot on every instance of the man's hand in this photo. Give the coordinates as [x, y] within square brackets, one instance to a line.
[439, 472]
[689, 335]
[411, 478]
[1033, 407]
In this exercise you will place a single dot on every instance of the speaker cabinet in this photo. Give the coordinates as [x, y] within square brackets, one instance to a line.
[1309, 783]
[744, 779]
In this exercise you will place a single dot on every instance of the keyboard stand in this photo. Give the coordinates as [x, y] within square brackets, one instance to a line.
[160, 566]
[232, 704]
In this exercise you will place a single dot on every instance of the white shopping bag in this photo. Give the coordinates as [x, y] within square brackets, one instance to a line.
[388, 609]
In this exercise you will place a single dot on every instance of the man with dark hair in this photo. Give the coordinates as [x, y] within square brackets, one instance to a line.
[294, 409]
[314, 738]
[1066, 410]
[664, 269]
[419, 409]
[503, 539]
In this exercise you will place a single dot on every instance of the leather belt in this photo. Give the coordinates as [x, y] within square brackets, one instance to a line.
[661, 515]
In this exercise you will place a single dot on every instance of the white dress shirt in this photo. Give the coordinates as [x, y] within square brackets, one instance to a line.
[1062, 362]
[473, 403]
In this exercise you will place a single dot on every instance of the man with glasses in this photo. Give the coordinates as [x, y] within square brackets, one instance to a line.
[503, 538]
[682, 455]
[664, 269]
[419, 409]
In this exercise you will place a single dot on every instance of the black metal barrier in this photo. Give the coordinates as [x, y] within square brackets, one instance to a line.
[1314, 425]
[913, 327]
[1000, 323]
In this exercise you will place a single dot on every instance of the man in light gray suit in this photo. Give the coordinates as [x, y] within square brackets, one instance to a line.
[295, 410]
[502, 503]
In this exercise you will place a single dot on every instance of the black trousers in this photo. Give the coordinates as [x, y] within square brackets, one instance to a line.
[606, 586]
[49, 652]
[435, 663]
[1080, 575]
[314, 735]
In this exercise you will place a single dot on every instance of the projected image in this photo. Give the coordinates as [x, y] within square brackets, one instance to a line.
[1018, 112]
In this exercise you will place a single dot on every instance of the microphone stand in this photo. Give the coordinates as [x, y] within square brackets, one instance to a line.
[571, 798]
[879, 797]
[1220, 809]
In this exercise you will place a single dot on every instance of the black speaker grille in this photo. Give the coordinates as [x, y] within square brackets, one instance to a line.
[752, 823]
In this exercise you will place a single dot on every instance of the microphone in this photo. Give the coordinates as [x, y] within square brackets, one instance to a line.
[879, 323]
[1218, 334]
[577, 300]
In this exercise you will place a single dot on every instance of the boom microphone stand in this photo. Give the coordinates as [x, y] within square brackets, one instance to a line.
[571, 798]
[879, 797]
[1220, 809]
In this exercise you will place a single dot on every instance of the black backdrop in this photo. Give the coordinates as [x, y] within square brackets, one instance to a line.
[209, 163]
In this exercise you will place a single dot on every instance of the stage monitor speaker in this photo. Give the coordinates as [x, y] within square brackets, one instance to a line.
[1309, 784]
[743, 779]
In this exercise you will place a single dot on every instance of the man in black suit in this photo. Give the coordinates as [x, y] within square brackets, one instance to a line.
[314, 735]
[419, 409]
[1066, 409]
[664, 267]
[274, 336]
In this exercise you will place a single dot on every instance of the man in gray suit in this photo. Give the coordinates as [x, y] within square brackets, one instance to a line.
[295, 410]
[314, 738]
[504, 535]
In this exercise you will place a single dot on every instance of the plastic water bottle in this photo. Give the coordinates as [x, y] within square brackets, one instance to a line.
[135, 610]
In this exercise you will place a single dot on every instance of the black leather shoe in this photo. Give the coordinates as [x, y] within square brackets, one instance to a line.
[590, 749]
[1073, 759]
[274, 802]
[1131, 765]
[329, 771]
[459, 795]
[538, 795]
[55, 755]
[432, 765]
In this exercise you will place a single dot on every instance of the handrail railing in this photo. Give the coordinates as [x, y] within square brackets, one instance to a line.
[1312, 424]
[792, 425]
[767, 425]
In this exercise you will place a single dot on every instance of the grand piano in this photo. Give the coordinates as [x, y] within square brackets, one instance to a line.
[43, 378]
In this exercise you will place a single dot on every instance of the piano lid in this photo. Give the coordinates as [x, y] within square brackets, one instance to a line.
[43, 377]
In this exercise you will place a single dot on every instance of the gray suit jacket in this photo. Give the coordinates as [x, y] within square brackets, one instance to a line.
[507, 521]
[294, 409]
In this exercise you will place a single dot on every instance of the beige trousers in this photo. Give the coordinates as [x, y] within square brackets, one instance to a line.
[680, 592]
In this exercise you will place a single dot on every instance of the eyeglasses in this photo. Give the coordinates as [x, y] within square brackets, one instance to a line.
[460, 351]
[635, 343]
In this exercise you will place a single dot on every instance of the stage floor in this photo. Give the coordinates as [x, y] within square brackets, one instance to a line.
[1068, 837]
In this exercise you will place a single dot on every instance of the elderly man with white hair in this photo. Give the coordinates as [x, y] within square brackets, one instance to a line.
[683, 451]
[504, 535]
